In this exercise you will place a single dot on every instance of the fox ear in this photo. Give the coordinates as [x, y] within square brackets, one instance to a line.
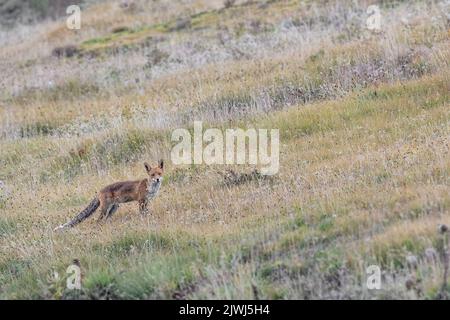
[161, 164]
[147, 166]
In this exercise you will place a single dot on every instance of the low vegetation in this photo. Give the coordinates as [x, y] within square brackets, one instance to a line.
[364, 120]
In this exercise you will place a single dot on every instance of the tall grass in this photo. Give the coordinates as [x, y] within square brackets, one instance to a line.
[364, 131]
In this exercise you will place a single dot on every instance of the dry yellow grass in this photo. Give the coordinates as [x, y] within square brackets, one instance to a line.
[364, 162]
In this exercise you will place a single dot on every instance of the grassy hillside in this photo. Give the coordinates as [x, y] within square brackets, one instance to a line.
[364, 156]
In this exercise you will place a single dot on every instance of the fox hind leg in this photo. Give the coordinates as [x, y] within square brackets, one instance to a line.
[112, 210]
[103, 212]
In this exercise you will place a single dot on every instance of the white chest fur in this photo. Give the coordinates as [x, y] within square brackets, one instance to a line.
[153, 188]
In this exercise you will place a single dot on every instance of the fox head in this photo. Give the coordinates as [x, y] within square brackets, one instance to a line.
[155, 173]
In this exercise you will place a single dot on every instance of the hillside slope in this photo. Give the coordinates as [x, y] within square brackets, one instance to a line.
[364, 120]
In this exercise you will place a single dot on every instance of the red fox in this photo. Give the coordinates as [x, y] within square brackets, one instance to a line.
[109, 198]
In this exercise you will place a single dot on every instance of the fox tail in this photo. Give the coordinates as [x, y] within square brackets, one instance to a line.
[88, 211]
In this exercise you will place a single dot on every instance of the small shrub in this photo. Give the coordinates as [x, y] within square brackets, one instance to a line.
[155, 57]
[128, 6]
[229, 3]
[120, 29]
[180, 24]
[36, 129]
[232, 178]
[258, 26]
[67, 51]
[101, 285]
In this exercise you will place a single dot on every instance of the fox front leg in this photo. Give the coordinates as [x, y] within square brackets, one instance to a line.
[143, 207]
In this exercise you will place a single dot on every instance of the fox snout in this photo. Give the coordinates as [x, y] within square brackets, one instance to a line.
[156, 182]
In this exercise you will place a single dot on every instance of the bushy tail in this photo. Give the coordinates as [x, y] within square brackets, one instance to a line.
[90, 209]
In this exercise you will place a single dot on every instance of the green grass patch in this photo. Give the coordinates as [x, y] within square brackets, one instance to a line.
[7, 227]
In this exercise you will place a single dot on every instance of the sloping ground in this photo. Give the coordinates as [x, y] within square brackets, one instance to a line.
[363, 180]
[364, 160]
